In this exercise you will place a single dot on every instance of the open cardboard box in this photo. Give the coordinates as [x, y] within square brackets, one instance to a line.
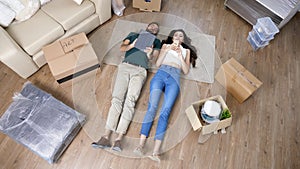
[147, 5]
[71, 59]
[237, 80]
[193, 114]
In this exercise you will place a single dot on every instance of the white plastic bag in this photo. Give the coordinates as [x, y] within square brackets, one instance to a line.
[7, 15]
[31, 7]
[118, 7]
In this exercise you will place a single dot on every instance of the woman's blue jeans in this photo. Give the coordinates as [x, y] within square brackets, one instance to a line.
[167, 80]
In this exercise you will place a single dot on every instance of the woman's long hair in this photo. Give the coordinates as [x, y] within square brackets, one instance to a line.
[186, 44]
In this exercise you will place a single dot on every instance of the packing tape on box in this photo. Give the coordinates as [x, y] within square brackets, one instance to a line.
[241, 74]
[72, 76]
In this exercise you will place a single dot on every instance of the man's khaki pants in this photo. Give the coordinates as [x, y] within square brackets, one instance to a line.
[128, 85]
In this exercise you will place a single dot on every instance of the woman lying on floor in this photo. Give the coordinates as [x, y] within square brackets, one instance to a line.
[175, 56]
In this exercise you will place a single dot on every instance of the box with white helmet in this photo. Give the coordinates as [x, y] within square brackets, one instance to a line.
[209, 115]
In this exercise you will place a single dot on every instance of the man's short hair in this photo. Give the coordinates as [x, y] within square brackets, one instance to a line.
[156, 23]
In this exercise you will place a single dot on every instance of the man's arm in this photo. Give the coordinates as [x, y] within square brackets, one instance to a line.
[155, 50]
[126, 46]
[154, 54]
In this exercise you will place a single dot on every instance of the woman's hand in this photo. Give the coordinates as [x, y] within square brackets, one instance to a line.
[175, 45]
[168, 48]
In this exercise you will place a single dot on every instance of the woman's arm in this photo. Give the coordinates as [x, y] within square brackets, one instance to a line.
[185, 63]
[163, 51]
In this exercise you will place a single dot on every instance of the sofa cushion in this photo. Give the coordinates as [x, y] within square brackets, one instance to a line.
[39, 59]
[68, 13]
[14, 57]
[35, 32]
[86, 26]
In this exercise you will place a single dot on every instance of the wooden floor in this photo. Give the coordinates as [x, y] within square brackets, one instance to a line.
[265, 132]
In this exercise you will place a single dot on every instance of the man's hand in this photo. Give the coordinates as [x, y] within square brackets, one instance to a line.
[125, 46]
[149, 50]
[133, 43]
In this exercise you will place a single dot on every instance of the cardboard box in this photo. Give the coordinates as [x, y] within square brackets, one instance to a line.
[71, 59]
[64, 46]
[237, 80]
[193, 114]
[147, 5]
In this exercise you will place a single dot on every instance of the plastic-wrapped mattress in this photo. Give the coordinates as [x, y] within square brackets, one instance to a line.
[40, 122]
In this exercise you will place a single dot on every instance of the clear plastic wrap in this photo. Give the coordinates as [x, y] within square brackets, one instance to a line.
[41, 123]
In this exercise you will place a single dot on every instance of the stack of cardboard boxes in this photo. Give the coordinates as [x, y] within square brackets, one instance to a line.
[71, 59]
[239, 82]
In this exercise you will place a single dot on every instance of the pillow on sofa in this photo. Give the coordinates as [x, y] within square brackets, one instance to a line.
[43, 2]
[15, 5]
[79, 2]
[7, 15]
[31, 7]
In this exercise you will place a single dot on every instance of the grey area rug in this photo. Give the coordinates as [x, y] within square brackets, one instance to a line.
[106, 42]
[205, 44]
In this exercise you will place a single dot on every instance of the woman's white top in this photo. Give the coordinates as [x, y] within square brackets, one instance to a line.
[172, 56]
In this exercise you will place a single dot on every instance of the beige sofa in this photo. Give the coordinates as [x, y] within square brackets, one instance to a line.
[21, 43]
